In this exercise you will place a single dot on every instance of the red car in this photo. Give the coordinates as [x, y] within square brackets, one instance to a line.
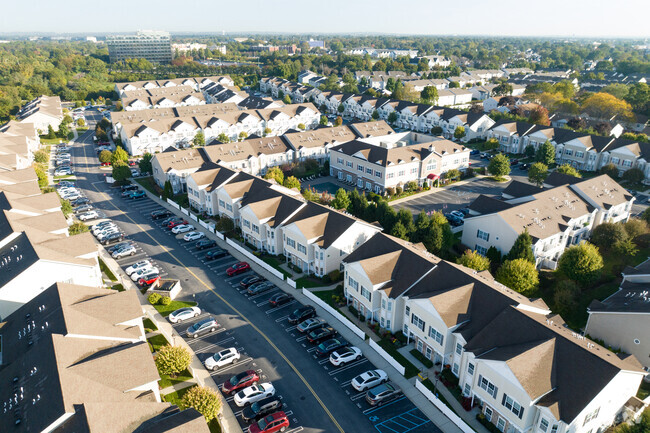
[132, 163]
[104, 164]
[275, 422]
[240, 381]
[173, 224]
[237, 268]
[148, 280]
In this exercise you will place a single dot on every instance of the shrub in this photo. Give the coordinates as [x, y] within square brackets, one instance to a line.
[565, 296]
[205, 400]
[165, 300]
[582, 263]
[607, 234]
[519, 274]
[335, 275]
[390, 191]
[398, 190]
[635, 227]
[172, 360]
[41, 156]
[154, 298]
[474, 260]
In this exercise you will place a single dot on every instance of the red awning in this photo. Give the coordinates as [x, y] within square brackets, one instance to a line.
[432, 176]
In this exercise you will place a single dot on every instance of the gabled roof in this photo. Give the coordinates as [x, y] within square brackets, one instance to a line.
[371, 129]
[319, 137]
[518, 189]
[270, 203]
[321, 224]
[515, 127]
[603, 191]
[485, 204]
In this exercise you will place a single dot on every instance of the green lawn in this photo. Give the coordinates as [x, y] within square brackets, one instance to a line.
[149, 325]
[644, 390]
[327, 296]
[410, 369]
[105, 270]
[309, 282]
[50, 140]
[158, 341]
[176, 397]
[166, 310]
[429, 385]
[118, 287]
[166, 381]
[148, 184]
[275, 263]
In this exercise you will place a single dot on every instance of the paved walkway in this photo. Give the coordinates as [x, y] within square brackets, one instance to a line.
[178, 386]
[435, 190]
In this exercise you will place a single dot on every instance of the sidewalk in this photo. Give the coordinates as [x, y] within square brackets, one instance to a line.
[434, 190]
[178, 386]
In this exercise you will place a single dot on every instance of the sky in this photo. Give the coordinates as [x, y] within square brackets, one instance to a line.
[576, 18]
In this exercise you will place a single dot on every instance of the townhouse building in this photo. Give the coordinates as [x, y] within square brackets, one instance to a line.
[555, 218]
[254, 155]
[436, 61]
[316, 144]
[486, 91]
[389, 161]
[221, 94]
[449, 97]
[15, 152]
[203, 183]
[196, 83]
[175, 165]
[514, 359]
[43, 112]
[371, 129]
[161, 97]
[227, 198]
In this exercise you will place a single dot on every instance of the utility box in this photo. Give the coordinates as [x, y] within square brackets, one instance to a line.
[163, 287]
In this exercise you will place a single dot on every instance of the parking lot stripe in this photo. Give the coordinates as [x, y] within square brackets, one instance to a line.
[299, 339]
[280, 319]
[276, 309]
[358, 396]
[347, 367]
[213, 346]
[193, 340]
[231, 366]
[373, 409]
[322, 361]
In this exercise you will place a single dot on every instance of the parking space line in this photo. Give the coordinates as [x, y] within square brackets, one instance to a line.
[276, 309]
[280, 319]
[218, 331]
[231, 366]
[359, 396]
[348, 366]
[214, 345]
[271, 292]
[373, 409]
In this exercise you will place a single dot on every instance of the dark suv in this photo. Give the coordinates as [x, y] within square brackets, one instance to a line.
[301, 314]
[113, 237]
[261, 408]
[157, 214]
[202, 327]
[321, 334]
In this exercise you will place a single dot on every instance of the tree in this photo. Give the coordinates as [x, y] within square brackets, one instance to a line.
[429, 93]
[605, 106]
[168, 191]
[454, 85]
[474, 260]
[634, 175]
[41, 156]
[375, 115]
[568, 169]
[323, 120]
[63, 130]
[392, 117]
[145, 163]
[522, 248]
[503, 89]
[281, 94]
[499, 166]
[338, 121]
[81, 122]
[519, 274]
[224, 225]
[105, 156]
[205, 400]
[537, 173]
[121, 172]
[399, 231]
[635, 227]
[645, 215]
[223, 138]
[545, 153]
[605, 235]
[275, 173]
[459, 133]
[119, 155]
[625, 247]
[341, 200]
[243, 135]
[565, 297]
[292, 182]
[529, 151]
[341, 108]
[452, 174]
[199, 139]
[581, 263]
[77, 227]
[66, 207]
[491, 144]
[436, 130]
[577, 123]
[50, 132]
[172, 360]
[494, 256]
[539, 116]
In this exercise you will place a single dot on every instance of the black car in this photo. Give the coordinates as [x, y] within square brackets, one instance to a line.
[205, 243]
[253, 279]
[202, 327]
[215, 254]
[166, 221]
[116, 247]
[261, 408]
[113, 237]
[157, 214]
[280, 299]
[80, 201]
[321, 334]
[329, 346]
[129, 187]
[301, 314]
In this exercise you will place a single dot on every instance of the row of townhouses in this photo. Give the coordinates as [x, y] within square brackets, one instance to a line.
[560, 215]
[513, 357]
[256, 155]
[161, 97]
[581, 150]
[43, 112]
[18, 142]
[196, 83]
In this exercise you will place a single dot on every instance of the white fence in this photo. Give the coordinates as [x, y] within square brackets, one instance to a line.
[318, 301]
[291, 282]
[203, 224]
[173, 203]
[377, 348]
[252, 258]
[220, 235]
[443, 408]
[185, 211]
[193, 217]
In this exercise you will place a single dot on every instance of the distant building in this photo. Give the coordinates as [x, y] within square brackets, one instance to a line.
[316, 44]
[183, 48]
[154, 46]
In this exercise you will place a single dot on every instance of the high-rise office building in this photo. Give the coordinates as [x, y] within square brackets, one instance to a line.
[154, 46]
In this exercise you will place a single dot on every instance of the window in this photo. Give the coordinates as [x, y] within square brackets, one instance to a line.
[401, 173]
[247, 224]
[383, 304]
[365, 293]
[390, 305]
[627, 163]
[339, 160]
[488, 386]
[543, 424]
[488, 413]
[591, 415]
[302, 248]
[368, 170]
[360, 168]
[414, 170]
[433, 333]
[455, 369]
[467, 390]
[481, 250]
[377, 173]
[407, 311]
[321, 255]
[459, 349]
[512, 405]
[579, 154]
[229, 207]
[501, 424]
[554, 428]
[390, 175]
[256, 229]
[470, 369]
[419, 323]
[291, 243]
[568, 152]
[349, 164]
[353, 283]
[482, 235]
[432, 165]
[615, 160]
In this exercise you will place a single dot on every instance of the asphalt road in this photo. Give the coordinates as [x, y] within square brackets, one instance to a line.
[317, 396]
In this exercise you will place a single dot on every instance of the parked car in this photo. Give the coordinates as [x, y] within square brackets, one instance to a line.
[166, 221]
[382, 394]
[148, 279]
[83, 208]
[113, 237]
[202, 327]
[457, 214]
[215, 254]
[144, 271]
[90, 215]
[261, 408]
[101, 226]
[239, 381]
[137, 265]
[137, 195]
[237, 268]
[524, 166]
[193, 236]
[514, 162]
[301, 314]
[129, 187]
[280, 299]
[276, 422]
[321, 334]
[176, 222]
[127, 193]
[253, 393]
[369, 379]
[62, 172]
[329, 346]
[258, 288]
[474, 152]
[344, 356]
[249, 281]
[184, 314]
[311, 324]
[158, 214]
[118, 246]
[80, 201]
[182, 228]
[205, 243]
[220, 359]
[124, 252]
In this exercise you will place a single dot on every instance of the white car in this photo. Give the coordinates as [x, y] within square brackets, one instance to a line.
[123, 252]
[183, 228]
[135, 276]
[369, 380]
[184, 314]
[88, 215]
[64, 172]
[254, 393]
[137, 265]
[225, 357]
[105, 227]
[345, 355]
[101, 236]
[193, 236]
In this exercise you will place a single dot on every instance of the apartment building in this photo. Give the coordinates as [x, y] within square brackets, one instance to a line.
[555, 218]
[43, 112]
[450, 97]
[389, 161]
[197, 83]
[203, 183]
[175, 165]
[154, 46]
[254, 155]
[221, 94]
[161, 97]
[514, 359]
[371, 129]
[316, 144]
[16, 151]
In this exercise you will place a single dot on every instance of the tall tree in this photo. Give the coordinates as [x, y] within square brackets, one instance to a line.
[430, 94]
[539, 116]
[119, 155]
[520, 275]
[537, 173]
[522, 248]
[341, 200]
[499, 166]
[145, 163]
[545, 153]
[581, 263]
